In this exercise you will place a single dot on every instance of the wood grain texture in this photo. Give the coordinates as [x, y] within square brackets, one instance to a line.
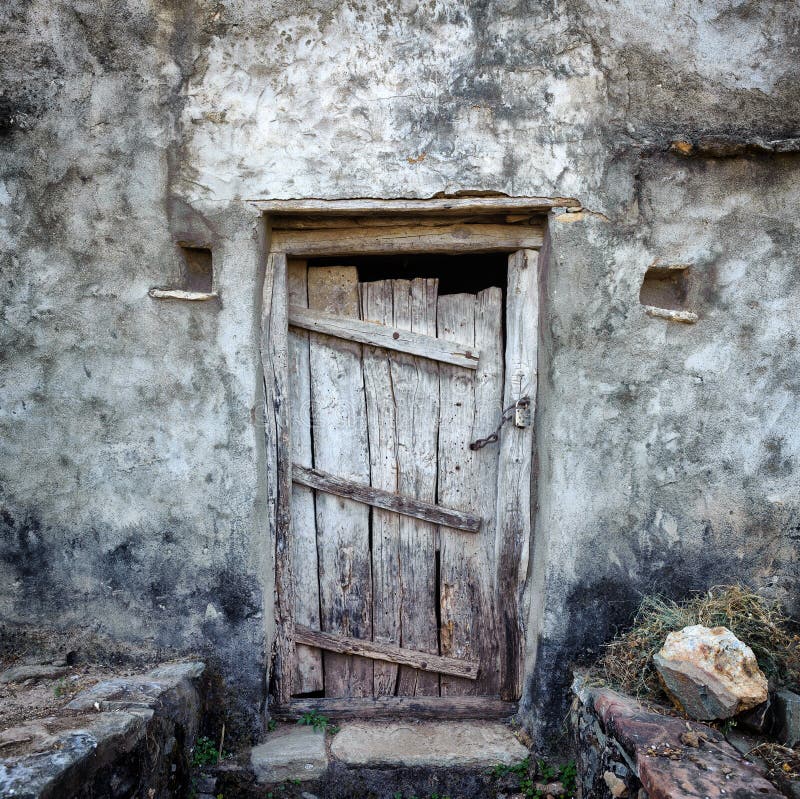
[516, 452]
[465, 617]
[308, 672]
[274, 365]
[480, 556]
[340, 446]
[389, 240]
[377, 306]
[397, 503]
[415, 383]
[468, 609]
[454, 708]
[387, 652]
[389, 337]
[456, 205]
[285, 222]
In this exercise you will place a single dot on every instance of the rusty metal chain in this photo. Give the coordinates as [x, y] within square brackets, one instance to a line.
[507, 415]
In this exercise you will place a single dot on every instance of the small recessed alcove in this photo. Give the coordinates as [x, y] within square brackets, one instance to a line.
[197, 273]
[196, 276]
[665, 292]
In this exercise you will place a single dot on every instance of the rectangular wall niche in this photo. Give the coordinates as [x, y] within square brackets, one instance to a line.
[196, 281]
[666, 287]
[197, 272]
[666, 291]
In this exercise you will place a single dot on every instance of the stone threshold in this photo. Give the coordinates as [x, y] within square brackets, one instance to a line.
[377, 758]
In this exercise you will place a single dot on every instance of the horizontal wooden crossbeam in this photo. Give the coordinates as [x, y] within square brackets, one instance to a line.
[451, 708]
[375, 650]
[417, 508]
[389, 338]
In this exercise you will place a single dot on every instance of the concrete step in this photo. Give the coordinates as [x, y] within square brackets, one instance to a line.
[382, 760]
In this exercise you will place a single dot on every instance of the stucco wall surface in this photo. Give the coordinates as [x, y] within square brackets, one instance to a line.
[131, 494]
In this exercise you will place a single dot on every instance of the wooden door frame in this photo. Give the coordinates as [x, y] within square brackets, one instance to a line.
[318, 228]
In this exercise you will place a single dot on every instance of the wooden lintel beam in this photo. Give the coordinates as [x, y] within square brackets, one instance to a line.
[390, 653]
[409, 238]
[408, 506]
[452, 708]
[384, 336]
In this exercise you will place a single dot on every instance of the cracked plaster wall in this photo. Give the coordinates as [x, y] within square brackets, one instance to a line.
[130, 490]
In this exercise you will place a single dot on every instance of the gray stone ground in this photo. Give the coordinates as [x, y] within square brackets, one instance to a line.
[132, 488]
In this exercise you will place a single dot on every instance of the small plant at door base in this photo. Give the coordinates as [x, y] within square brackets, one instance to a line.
[319, 722]
[530, 776]
[272, 725]
[205, 752]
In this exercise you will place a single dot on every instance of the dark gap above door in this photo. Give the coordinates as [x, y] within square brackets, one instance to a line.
[458, 274]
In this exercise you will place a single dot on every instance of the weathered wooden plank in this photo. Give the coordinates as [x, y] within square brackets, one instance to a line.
[397, 503]
[308, 672]
[488, 408]
[387, 652]
[514, 470]
[409, 238]
[456, 205]
[416, 707]
[456, 318]
[415, 383]
[377, 306]
[340, 444]
[274, 365]
[468, 479]
[385, 336]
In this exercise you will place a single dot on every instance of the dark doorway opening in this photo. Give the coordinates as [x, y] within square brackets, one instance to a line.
[457, 274]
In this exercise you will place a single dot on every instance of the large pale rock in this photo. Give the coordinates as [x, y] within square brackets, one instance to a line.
[710, 673]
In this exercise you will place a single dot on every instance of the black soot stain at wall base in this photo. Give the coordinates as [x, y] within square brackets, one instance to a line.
[595, 609]
[142, 591]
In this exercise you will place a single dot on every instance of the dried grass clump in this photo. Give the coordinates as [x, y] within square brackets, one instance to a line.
[780, 760]
[762, 625]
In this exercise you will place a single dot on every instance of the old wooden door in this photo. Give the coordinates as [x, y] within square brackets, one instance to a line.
[408, 547]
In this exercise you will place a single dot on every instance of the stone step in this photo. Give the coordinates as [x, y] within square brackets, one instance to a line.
[466, 744]
[384, 759]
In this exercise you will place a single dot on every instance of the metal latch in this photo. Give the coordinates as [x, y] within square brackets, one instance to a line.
[522, 412]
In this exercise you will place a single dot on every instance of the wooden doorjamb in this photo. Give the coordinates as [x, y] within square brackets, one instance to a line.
[275, 369]
[516, 456]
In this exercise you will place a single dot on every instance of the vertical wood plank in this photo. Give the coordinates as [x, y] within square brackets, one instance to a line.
[516, 450]
[274, 365]
[340, 446]
[470, 409]
[376, 306]
[488, 408]
[415, 384]
[308, 671]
